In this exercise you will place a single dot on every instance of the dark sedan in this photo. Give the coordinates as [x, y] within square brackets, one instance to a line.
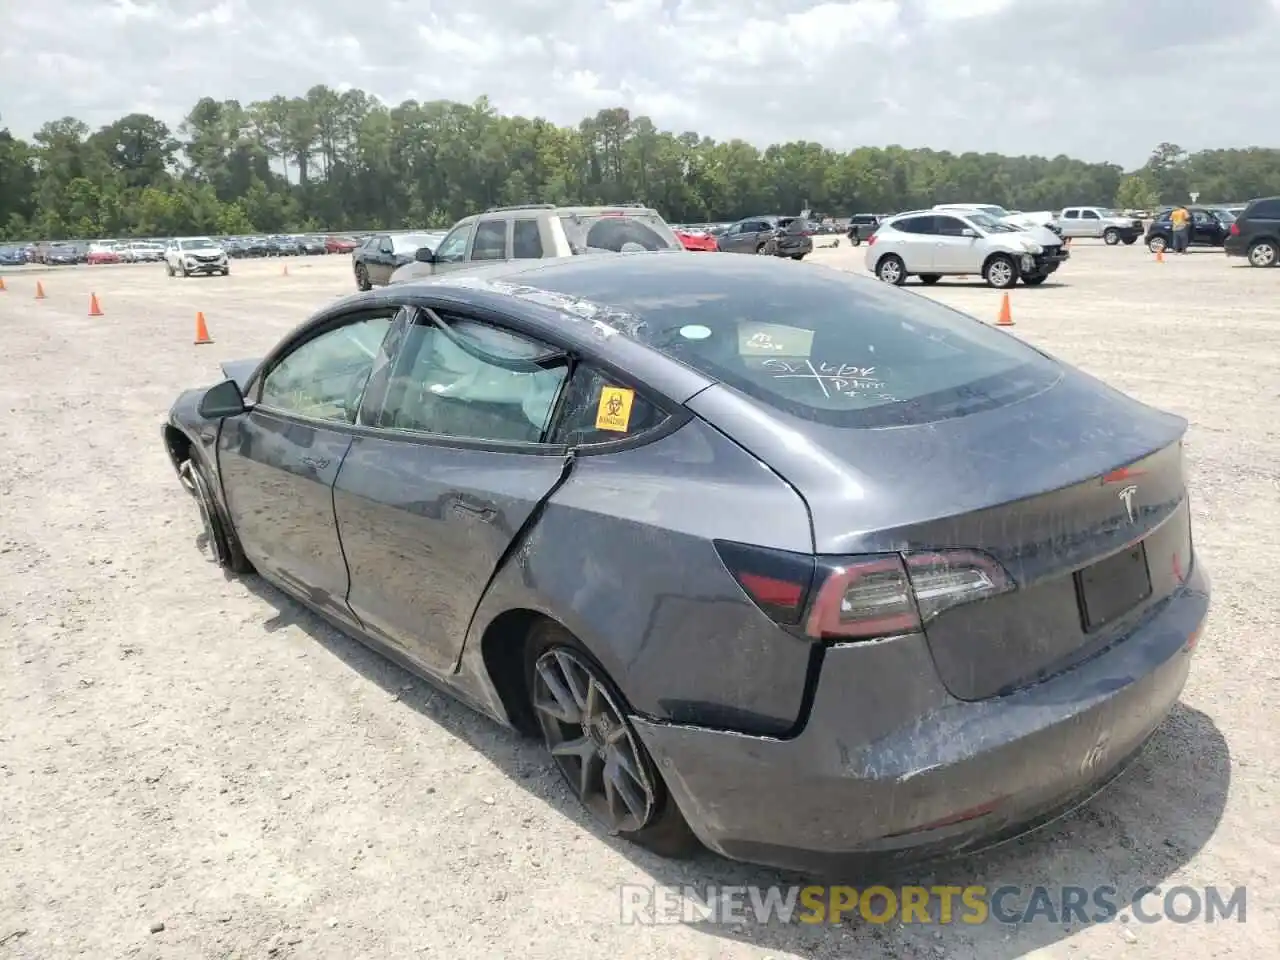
[378, 257]
[770, 236]
[773, 554]
[1210, 227]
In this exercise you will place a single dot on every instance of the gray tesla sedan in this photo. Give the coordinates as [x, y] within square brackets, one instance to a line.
[771, 556]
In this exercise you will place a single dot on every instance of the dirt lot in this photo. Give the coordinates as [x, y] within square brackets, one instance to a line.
[182, 749]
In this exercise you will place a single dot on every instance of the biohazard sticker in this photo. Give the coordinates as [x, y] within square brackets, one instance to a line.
[614, 412]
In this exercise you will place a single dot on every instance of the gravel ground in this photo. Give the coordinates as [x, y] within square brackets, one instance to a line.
[182, 749]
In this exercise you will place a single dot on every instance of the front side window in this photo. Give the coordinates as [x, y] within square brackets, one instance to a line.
[453, 248]
[491, 240]
[950, 226]
[1089, 215]
[325, 377]
[475, 382]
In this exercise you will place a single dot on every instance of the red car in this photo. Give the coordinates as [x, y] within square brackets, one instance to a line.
[697, 240]
[102, 256]
[339, 244]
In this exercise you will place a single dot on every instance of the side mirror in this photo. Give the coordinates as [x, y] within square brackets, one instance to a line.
[224, 400]
[971, 234]
[424, 255]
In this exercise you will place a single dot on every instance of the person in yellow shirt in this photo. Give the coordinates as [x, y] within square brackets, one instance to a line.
[1181, 219]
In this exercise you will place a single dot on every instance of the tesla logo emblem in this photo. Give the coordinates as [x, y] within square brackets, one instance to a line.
[1097, 754]
[1126, 497]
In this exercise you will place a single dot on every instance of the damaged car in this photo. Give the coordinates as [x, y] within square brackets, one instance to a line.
[771, 560]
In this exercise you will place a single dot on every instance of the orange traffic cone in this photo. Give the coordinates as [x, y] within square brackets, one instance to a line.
[1, 283]
[1160, 255]
[1006, 317]
[95, 310]
[284, 271]
[39, 290]
[202, 331]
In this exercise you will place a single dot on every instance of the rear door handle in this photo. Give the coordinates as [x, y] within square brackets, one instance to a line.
[316, 462]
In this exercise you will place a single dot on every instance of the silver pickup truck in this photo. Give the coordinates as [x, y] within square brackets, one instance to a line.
[1099, 223]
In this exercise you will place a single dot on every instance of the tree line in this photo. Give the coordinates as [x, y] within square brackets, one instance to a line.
[333, 161]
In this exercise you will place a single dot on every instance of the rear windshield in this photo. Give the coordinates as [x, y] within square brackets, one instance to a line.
[833, 348]
[620, 234]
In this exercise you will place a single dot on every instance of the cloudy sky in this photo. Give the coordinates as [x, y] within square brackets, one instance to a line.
[1098, 79]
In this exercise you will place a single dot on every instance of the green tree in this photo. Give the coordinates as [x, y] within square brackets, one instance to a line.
[1136, 193]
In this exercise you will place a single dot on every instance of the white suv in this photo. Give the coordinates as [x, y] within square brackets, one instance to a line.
[931, 244]
[192, 255]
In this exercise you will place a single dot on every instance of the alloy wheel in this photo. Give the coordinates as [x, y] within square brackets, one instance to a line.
[1262, 255]
[890, 271]
[591, 742]
[1000, 273]
[195, 485]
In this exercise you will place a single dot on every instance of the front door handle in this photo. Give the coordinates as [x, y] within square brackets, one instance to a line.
[317, 463]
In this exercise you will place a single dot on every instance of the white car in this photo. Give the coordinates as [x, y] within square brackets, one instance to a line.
[931, 244]
[1038, 218]
[192, 255]
[141, 251]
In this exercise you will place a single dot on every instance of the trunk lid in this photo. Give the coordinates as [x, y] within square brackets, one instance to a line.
[1037, 485]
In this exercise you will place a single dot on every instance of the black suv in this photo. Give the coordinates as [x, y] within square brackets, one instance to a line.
[1256, 233]
[861, 227]
[1209, 227]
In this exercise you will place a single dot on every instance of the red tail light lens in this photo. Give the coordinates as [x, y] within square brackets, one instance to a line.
[862, 597]
[1235, 229]
[871, 240]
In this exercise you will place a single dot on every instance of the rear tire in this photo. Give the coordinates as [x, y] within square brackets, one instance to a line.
[929, 279]
[1000, 272]
[583, 720]
[891, 269]
[1262, 253]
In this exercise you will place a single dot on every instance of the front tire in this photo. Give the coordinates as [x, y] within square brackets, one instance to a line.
[362, 278]
[1035, 279]
[892, 270]
[1111, 236]
[1157, 244]
[1262, 253]
[583, 720]
[221, 545]
[1000, 272]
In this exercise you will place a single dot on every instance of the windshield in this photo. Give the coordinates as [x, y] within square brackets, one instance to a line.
[825, 346]
[992, 210]
[990, 224]
[410, 242]
[198, 243]
[620, 233]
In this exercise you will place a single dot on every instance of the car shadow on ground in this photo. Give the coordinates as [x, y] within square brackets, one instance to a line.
[983, 285]
[1146, 826]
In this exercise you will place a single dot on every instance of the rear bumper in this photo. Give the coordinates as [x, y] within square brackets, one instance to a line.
[1235, 246]
[890, 767]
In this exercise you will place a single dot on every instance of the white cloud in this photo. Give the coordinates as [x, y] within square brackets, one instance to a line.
[1100, 79]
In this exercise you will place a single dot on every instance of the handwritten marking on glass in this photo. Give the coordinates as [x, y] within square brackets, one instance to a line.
[847, 379]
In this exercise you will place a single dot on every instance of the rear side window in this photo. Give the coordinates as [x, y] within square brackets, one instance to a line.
[914, 225]
[598, 408]
[526, 242]
[1268, 209]
[619, 233]
[830, 347]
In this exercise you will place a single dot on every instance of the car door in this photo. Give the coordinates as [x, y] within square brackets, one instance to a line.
[278, 461]
[1070, 222]
[914, 243]
[450, 469]
[953, 252]
[1206, 228]
[1090, 223]
[730, 241]
[380, 259]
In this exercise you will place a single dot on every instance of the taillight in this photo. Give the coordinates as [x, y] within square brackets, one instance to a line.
[1235, 229]
[860, 598]
[871, 240]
